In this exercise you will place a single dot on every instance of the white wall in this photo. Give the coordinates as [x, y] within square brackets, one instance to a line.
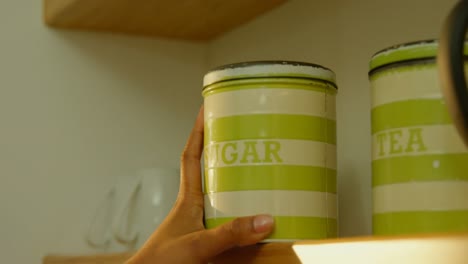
[78, 110]
[341, 35]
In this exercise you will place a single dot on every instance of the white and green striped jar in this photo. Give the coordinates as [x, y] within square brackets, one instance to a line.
[270, 147]
[419, 162]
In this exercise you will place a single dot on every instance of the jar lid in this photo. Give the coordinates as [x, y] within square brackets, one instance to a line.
[410, 51]
[269, 69]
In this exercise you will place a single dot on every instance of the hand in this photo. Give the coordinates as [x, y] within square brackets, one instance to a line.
[182, 237]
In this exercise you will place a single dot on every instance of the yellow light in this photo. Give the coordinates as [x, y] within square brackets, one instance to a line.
[435, 250]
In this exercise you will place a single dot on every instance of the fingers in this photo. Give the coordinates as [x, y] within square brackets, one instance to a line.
[239, 232]
[190, 161]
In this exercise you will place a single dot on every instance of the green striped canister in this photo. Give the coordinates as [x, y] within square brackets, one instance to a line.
[270, 147]
[419, 162]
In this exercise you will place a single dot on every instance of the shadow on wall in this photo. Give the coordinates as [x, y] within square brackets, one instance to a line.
[352, 191]
[164, 69]
[141, 93]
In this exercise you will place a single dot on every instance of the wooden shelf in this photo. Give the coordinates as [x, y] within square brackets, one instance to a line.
[260, 254]
[427, 249]
[183, 19]
[92, 259]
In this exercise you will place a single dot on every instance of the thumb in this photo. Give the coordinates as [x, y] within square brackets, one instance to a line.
[239, 232]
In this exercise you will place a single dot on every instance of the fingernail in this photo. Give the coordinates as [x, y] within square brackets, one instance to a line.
[263, 223]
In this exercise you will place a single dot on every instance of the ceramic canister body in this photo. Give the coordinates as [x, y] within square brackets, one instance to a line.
[270, 147]
[419, 162]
